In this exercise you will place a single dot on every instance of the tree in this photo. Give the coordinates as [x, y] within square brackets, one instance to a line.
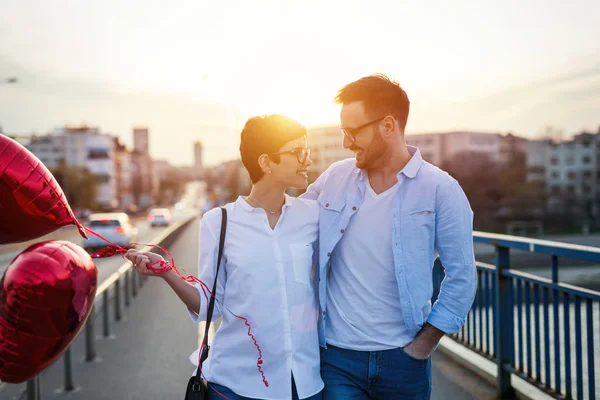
[513, 175]
[480, 179]
[79, 185]
[171, 187]
[497, 192]
[234, 184]
[551, 133]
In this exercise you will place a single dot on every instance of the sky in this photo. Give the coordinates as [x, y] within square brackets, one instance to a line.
[196, 69]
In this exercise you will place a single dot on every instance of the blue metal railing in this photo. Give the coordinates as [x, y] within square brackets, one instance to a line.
[538, 329]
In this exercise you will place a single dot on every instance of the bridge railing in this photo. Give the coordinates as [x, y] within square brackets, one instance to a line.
[542, 330]
[120, 288]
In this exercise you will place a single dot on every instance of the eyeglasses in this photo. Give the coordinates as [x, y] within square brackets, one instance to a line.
[301, 154]
[351, 132]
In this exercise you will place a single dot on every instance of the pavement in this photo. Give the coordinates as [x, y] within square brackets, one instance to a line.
[146, 355]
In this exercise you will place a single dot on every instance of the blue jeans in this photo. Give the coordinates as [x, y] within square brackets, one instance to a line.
[388, 374]
[212, 395]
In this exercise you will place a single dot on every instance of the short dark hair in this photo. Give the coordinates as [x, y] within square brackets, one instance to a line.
[266, 134]
[380, 96]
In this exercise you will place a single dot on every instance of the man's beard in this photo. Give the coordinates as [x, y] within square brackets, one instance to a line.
[375, 154]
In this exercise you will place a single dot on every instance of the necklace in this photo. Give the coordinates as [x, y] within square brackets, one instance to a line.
[255, 205]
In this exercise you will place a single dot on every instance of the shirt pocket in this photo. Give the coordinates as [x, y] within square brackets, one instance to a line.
[331, 212]
[302, 260]
[421, 232]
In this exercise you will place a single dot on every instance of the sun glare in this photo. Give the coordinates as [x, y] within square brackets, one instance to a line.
[297, 99]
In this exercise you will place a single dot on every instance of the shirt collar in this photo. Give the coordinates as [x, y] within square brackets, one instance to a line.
[410, 169]
[241, 200]
[414, 164]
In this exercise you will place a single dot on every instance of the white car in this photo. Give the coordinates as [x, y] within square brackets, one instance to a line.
[116, 227]
[159, 217]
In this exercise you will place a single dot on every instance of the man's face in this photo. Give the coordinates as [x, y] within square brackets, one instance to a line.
[362, 135]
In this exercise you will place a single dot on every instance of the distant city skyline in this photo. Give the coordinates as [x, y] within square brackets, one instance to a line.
[197, 71]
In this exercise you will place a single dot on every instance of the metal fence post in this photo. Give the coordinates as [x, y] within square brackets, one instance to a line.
[133, 283]
[33, 388]
[68, 371]
[105, 317]
[503, 325]
[90, 340]
[127, 298]
[118, 299]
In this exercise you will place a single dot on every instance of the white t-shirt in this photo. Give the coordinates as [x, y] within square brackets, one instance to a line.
[363, 304]
[267, 277]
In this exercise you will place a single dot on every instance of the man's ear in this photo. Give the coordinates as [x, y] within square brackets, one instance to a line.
[389, 126]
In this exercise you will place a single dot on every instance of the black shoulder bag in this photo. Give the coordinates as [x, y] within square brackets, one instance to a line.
[196, 388]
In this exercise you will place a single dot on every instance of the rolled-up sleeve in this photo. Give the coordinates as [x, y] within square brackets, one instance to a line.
[454, 244]
[209, 247]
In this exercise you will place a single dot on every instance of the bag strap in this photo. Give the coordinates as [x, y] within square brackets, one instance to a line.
[211, 304]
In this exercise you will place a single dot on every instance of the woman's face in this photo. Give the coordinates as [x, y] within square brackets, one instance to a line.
[292, 170]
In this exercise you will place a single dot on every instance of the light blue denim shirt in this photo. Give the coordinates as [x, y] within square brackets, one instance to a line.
[431, 216]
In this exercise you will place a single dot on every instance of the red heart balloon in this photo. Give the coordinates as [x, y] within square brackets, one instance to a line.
[46, 295]
[32, 204]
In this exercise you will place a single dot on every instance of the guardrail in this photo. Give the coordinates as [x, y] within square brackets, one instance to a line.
[531, 326]
[131, 283]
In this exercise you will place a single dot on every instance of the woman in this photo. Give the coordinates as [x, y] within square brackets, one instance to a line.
[266, 273]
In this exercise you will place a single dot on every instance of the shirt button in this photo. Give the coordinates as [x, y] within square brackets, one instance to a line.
[354, 208]
[327, 205]
[342, 231]
[328, 254]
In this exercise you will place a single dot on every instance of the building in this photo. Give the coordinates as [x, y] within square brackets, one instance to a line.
[101, 162]
[124, 173]
[325, 143]
[141, 142]
[144, 184]
[569, 171]
[437, 148]
[81, 147]
[537, 158]
[50, 149]
[441, 148]
[198, 163]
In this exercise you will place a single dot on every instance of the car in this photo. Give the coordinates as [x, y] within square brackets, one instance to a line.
[116, 227]
[159, 217]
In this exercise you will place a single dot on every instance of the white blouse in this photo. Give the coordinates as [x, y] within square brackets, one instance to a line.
[267, 276]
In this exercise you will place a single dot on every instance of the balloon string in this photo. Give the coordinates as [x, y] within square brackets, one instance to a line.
[164, 266]
[213, 388]
[110, 251]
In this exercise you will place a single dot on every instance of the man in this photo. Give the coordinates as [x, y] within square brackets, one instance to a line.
[385, 215]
